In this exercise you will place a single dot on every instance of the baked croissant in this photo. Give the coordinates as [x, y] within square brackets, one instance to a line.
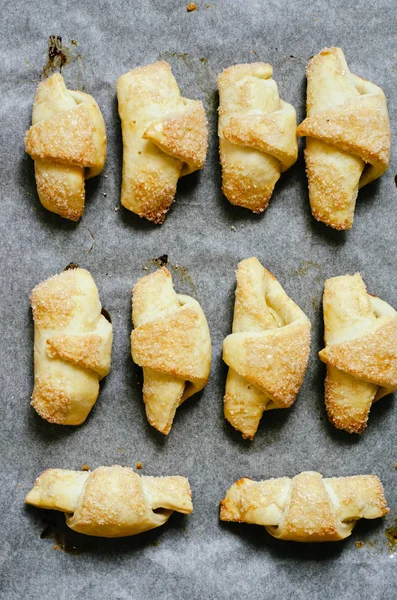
[164, 138]
[257, 134]
[360, 333]
[268, 350]
[67, 141]
[111, 502]
[72, 347]
[306, 508]
[171, 341]
[348, 137]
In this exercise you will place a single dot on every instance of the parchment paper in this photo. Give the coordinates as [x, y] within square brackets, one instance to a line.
[194, 557]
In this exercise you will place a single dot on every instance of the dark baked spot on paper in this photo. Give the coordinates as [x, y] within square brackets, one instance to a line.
[162, 260]
[61, 538]
[106, 314]
[58, 55]
[71, 266]
[391, 534]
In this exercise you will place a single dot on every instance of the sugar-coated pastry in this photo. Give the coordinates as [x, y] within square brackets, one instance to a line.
[67, 141]
[257, 134]
[113, 501]
[306, 508]
[347, 137]
[171, 342]
[164, 138]
[72, 346]
[360, 334]
[268, 350]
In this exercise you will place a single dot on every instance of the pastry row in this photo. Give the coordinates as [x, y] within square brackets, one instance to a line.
[116, 502]
[267, 352]
[165, 137]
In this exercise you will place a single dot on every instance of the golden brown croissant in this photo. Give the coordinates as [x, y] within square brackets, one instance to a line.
[72, 347]
[67, 141]
[348, 137]
[111, 501]
[268, 350]
[164, 138]
[306, 508]
[171, 341]
[360, 333]
[257, 134]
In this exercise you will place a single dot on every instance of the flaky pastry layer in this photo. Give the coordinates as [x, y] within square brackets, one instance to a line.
[171, 342]
[347, 137]
[67, 141]
[257, 134]
[306, 508]
[267, 351]
[72, 346]
[164, 137]
[111, 501]
[360, 334]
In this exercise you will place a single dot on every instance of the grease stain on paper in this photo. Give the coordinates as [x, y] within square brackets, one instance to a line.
[205, 78]
[181, 272]
[60, 55]
[62, 542]
[391, 534]
[304, 269]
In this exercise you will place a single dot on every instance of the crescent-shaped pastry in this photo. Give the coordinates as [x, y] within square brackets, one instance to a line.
[360, 334]
[306, 508]
[164, 138]
[67, 141]
[171, 342]
[72, 347]
[347, 137]
[257, 134]
[113, 501]
[268, 350]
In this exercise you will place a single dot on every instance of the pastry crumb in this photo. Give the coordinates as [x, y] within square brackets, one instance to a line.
[191, 7]
[105, 194]
[359, 544]
[139, 465]
[116, 208]
[85, 468]
[233, 228]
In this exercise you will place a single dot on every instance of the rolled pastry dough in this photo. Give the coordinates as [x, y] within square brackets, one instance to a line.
[164, 138]
[360, 334]
[171, 341]
[111, 501]
[257, 134]
[67, 141]
[72, 347]
[347, 137]
[306, 508]
[268, 350]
